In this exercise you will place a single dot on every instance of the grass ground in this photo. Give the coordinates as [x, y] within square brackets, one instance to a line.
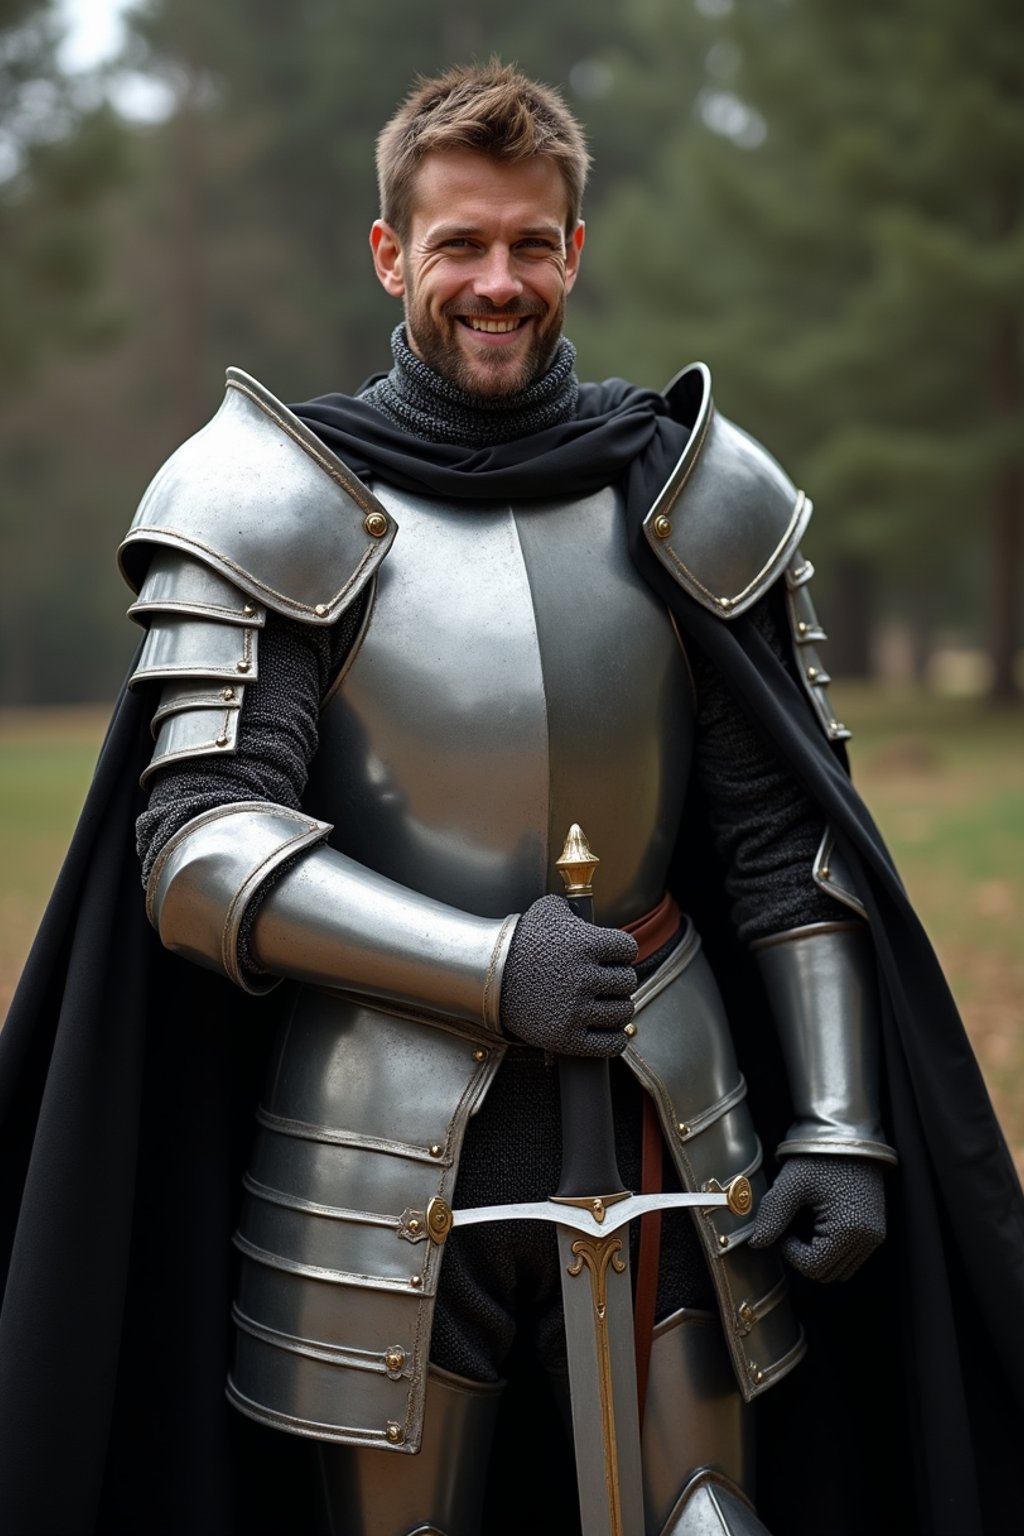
[944, 779]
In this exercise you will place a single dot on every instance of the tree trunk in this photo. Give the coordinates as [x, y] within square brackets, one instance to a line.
[1007, 526]
[848, 620]
[1008, 501]
[186, 285]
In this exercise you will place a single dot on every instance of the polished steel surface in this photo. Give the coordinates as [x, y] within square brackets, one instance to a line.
[441, 1489]
[177, 583]
[475, 724]
[832, 874]
[728, 518]
[361, 1123]
[694, 1416]
[822, 985]
[597, 1303]
[711, 1506]
[256, 496]
[182, 647]
[206, 874]
[334, 922]
[583, 1221]
[328, 920]
[683, 1054]
[203, 725]
[202, 643]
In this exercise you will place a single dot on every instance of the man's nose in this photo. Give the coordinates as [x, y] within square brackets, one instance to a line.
[495, 279]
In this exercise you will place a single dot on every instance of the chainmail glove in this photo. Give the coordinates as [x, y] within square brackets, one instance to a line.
[567, 985]
[829, 1211]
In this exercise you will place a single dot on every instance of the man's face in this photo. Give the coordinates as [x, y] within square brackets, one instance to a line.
[485, 269]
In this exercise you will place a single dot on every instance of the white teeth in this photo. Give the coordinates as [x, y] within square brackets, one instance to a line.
[498, 327]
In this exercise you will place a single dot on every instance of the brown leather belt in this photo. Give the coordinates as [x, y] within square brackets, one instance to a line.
[656, 927]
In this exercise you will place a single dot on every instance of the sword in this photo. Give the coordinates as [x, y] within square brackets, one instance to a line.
[591, 1212]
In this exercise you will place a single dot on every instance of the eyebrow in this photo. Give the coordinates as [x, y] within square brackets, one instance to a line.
[458, 231]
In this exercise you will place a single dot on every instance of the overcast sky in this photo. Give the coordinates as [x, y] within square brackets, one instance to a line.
[94, 31]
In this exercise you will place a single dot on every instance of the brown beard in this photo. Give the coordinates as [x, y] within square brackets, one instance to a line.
[438, 346]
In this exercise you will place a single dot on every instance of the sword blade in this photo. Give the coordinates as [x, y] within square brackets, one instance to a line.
[597, 1301]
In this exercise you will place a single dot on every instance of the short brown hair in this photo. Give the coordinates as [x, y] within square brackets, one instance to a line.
[491, 108]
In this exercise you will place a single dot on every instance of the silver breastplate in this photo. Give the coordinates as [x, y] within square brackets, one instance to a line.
[516, 675]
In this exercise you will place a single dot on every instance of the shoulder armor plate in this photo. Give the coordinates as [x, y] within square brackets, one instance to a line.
[259, 499]
[728, 519]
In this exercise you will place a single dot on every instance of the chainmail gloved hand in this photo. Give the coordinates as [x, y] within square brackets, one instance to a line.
[567, 983]
[829, 1211]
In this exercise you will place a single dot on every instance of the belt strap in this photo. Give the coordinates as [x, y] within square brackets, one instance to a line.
[656, 927]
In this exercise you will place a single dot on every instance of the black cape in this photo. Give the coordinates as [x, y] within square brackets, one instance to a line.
[128, 1080]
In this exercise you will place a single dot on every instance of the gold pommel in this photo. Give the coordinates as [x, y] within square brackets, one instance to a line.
[576, 863]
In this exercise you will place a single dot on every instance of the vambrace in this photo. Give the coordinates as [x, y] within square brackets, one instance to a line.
[322, 917]
[820, 981]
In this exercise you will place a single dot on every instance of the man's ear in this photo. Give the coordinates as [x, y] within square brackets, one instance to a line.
[574, 246]
[387, 258]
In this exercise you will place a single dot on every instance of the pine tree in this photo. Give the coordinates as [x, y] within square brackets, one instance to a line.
[856, 278]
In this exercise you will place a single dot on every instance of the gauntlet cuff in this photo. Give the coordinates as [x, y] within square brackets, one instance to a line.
[821, 985]
[326, 920]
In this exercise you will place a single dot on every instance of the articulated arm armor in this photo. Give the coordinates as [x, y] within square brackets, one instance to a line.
[821, 985]
[820, 978]
[251, 514]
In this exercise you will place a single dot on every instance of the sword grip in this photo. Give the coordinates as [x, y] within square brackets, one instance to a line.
[589, 1163]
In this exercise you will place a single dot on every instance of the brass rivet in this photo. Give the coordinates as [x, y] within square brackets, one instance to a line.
[663, 526]
[248, 610]
[812, 673]
[726, 603]
[723, 1241]
[824, 872]
[414, 1224]
[394, 1433]
[436, 1149]
[802, 628]
[321, 610]
[375, 524]
[415, 1281]
[740, 1195]
[228, 693]
[242, 666]
[630, 1030]
[394, 1359]
[221, 741]
[439, 1218]
[479, 1054]
[746, 1312]
[684, 1129]
[758, 1374]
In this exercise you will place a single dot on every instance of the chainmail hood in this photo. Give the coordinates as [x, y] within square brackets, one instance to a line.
[420, 400]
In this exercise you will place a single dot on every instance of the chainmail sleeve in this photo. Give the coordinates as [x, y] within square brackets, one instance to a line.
[765, 827]
[278, 734]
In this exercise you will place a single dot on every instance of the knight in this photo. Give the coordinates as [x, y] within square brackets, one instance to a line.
[377, 710]
[394, 644]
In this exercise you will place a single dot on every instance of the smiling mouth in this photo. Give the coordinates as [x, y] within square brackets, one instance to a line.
[492, 327]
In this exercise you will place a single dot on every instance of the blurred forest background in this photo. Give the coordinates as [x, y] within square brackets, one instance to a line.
[822, 200]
